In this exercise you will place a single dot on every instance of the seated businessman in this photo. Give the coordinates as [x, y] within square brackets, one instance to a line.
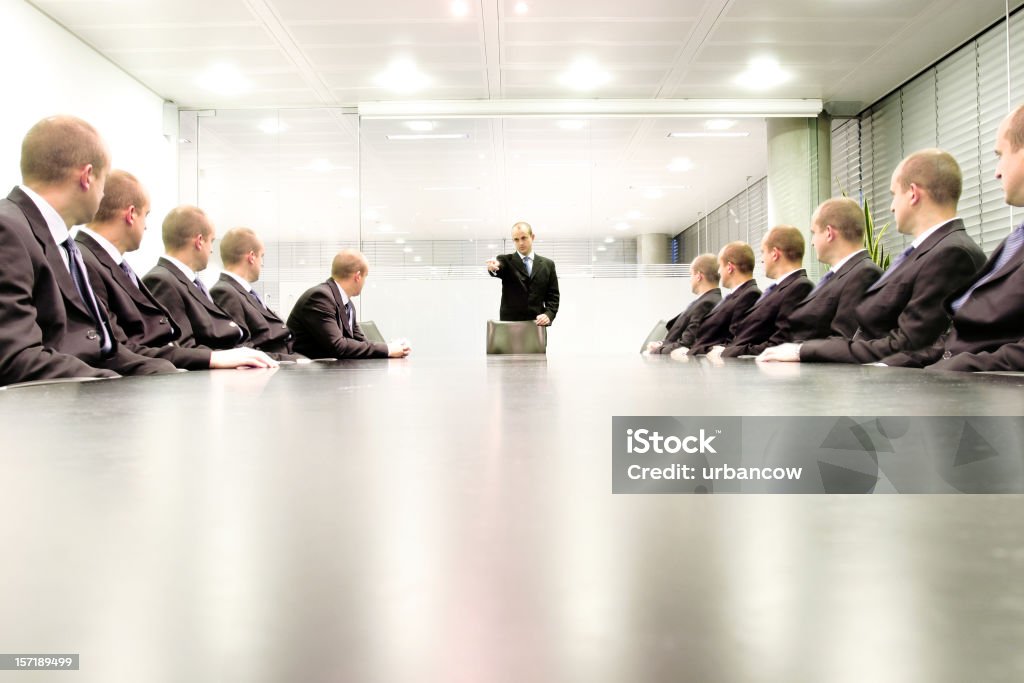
[188, 242]
[324, 318]
[241, 253]
[51, 323]
[138, 320]
[902, 311]
[988, 315]
[682, 329]
[782, 251]
[736, 267]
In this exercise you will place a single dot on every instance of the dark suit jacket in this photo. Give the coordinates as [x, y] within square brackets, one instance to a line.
[138, 320]
[525, 297]
[46, 330]
[682, 329]
[321, 327]
[202, 322]
[987, 331]
[267, 332]
[905, 312]
[722, 322]
[830, 310]
[757, 327]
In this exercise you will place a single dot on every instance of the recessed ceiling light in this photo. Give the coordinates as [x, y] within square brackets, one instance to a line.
[572, 124]
[399, 241]
[224, 79]
[609, 240]
[585, 74]
[622, 226]
[417, 259]
[429, 136]
[492, 246]
[680, 165]
[762, 73]
[407, 250]
[709, 134]
[420, 126]
[481, 156]
[460, 8]
[522, 7]
[602, 248]
[402, 76]
[271, 126]
[719, 124]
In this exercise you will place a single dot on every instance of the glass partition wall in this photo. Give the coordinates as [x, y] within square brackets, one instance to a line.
[429, 200]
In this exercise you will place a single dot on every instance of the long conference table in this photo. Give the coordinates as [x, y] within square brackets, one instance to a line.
[452, 519]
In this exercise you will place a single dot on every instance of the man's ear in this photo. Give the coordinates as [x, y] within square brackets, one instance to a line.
[85, 176]
[130, 214]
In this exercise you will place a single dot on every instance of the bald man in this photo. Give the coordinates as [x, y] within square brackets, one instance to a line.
[903, 311]
[51, 323]
[682, 329]
[736, 267]
[529, 283]
[324, 318]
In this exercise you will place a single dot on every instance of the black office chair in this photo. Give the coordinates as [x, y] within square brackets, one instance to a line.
[516, 337]
[658, 333]
[371, 332]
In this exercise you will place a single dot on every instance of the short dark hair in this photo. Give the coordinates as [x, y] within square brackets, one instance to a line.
[934, 170]
[57, 146]
[740, 255]
[706, 265]
[236, 244]
[182, 224]
[845, 215]
[121, 191]
[787, 239]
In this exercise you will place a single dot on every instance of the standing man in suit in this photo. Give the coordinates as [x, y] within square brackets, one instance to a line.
[837, 234]
[324, 318]
[529, 284]
[682, 329]
[782, 250]
[241, 252]
[736, 266]
[988, 315]
[903, 311]
[51, 323]
[188, 242]
[137, 319]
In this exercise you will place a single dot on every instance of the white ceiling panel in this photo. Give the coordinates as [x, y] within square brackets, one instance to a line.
[861, 31]
[378, 57]
[197, 59]
[607, 31]
[563, 54]
[225, 38]
[379, 10]
[544, 9]
[321, 32]
[82, 13]
[836, 9]
[789, 54]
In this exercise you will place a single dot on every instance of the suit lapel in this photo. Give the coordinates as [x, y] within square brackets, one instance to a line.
[249, 300]
[340, 306]
[191, 287]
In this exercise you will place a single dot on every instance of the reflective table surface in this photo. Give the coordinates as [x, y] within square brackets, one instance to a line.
[436, 519]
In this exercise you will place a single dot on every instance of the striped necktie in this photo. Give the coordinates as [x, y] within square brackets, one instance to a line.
[1011, 246]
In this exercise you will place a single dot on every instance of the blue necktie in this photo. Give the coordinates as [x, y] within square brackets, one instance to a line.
[202, 288]
[130, 273]
[256, 296]
[527, 261]
[767, 291]
[348, 314]
[893, 266]
[824, 278]
[78, 275]
[1011, 246]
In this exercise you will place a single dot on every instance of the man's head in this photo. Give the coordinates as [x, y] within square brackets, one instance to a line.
[925, 185]
[522, 235]
[188, 236]
[64, 159]
[704, 273]
[736, 264]
[349, 269]
[241, 252]
[121, 217]
[782, 250]
[1010, 153]
[837, 229]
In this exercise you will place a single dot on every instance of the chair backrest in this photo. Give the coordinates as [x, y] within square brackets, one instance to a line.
[516, 337]
[658, 333]
[371, 332]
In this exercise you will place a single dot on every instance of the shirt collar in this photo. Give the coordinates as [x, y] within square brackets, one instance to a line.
[189, 273]
[246, 285]
[842, 262]
[928, 233]
[58, 228]
[344, 296]
[530, 255]
[105, 243]
[779, 280]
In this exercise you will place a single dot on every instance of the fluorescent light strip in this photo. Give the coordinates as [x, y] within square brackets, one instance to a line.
[430, 136]
[737, 134]
[757, 108]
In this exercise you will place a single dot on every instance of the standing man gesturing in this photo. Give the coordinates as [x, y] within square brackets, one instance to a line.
[529, 284]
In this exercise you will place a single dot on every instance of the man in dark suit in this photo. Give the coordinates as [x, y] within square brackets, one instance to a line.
[51, 323]
[188, 241]
[529, 284]
[988, 315]
[138, 320]
[782, 250]
[241, 252]
[837, 235]
[324, 319]
[736, 266]
[682, 329]
[903, 310]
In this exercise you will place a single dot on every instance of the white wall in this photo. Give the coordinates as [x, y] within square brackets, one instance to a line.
[49, 71]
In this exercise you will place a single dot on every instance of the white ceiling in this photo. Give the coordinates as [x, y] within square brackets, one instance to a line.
[316, 53]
